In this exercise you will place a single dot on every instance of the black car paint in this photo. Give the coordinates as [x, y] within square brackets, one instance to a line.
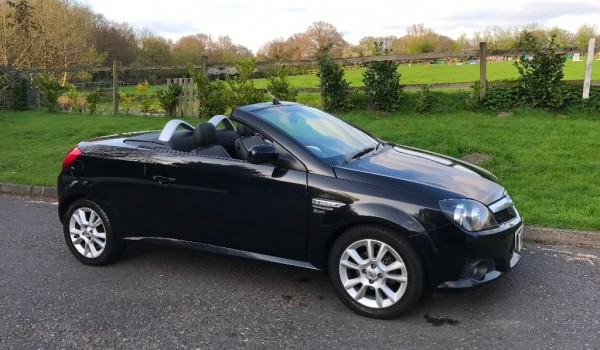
[267, 209]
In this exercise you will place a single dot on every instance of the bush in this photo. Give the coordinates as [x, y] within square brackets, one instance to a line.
[92, 99]
[241, 88]
[127, 101]
[279, 85]
[50, 89]
[212, 97]
[472, 100]
[382, 83]
[541, 78]
[502, 98]
[168, 99]
[145, 101]
[423, 104]
[333, 85]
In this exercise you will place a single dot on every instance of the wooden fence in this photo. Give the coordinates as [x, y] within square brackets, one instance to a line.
[188, 104]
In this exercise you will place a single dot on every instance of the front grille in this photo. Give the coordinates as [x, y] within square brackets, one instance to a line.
[503, 210]
[505, 215]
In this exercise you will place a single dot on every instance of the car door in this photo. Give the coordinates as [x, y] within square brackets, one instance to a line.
[229, 203]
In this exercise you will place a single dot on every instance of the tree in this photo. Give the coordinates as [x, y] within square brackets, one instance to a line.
[116, 41]
[333, 84]
[320, 35]
[191, 48]
[46, 34]
[382, 83]
[153, 50]
[583, 35]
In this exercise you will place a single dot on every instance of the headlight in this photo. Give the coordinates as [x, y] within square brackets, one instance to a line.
[469, 214]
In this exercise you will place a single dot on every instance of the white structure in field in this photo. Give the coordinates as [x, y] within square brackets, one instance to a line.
[576, 57]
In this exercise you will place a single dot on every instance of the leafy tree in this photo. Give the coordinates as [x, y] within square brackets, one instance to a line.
[242, 90]
[212, 97]
[541, 78]
[152, 50]
[382, 83]
[279, 85]
[333, 84]
[168, 98]
[583, 35]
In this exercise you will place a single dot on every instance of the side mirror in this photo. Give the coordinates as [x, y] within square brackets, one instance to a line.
[262, 154]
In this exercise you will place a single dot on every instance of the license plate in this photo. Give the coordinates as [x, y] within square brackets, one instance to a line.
[519, 239]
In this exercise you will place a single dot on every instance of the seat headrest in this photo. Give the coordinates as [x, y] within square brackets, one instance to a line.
[205, 134]
[244, 130]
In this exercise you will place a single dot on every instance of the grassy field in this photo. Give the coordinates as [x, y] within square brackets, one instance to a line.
[549, 163]
[420, 74]
[443, 73]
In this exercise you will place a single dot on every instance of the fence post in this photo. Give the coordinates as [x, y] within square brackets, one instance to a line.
[115, 73]
[482, 70]
[588, 68]
[205, 66]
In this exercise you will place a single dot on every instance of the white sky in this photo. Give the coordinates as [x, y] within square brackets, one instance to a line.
[253, 23]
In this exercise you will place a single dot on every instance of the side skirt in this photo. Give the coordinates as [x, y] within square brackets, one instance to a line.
[221, 250]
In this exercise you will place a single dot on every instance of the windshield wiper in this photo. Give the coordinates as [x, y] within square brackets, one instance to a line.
[362, 152]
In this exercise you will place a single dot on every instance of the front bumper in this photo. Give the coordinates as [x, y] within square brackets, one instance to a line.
[483, 269]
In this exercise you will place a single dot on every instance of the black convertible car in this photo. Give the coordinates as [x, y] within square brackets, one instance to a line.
[287, 183]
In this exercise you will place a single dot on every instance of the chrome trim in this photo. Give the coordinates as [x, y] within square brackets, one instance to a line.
[225, 251]
[170, 127]
[501, 204]
[327, 204]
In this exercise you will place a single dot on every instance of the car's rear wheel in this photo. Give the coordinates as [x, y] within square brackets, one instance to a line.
[375, 271]
[89, 233]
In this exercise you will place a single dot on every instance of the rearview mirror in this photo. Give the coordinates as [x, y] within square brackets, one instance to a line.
[262, 154]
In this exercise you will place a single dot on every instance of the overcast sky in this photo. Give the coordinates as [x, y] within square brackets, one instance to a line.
[254, 22]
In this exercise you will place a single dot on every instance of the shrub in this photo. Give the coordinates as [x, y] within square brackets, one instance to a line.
[13, 91]
[332, 82]
[241, 88]
[92, 99]
[541, 78]
[50, 89]
[127, 101]
[145, 101]
[502, 98]
[279, 85]
[212, 97]
[168, 99]
[423, 104]
[472, 100]
[382, 83]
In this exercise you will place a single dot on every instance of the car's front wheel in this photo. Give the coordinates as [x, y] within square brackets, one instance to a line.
[89, 233]
[375, 271]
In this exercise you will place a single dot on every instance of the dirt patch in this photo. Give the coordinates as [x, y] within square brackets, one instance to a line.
[475, 158]
[504, 114]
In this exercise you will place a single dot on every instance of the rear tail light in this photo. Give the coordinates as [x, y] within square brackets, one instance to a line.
[71, 156]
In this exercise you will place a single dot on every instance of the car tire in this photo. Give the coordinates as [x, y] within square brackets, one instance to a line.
[89, 233]
[375, 271]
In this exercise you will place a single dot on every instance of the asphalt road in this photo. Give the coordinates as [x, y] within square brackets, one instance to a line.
[158, 298]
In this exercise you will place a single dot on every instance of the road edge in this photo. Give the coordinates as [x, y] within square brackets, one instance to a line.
[531, 234]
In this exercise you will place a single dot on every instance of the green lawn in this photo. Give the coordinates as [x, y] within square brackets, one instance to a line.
[443, 73]
[419, 74]
[549, 163]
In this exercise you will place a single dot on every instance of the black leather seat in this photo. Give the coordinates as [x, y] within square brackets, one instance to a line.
[205, 136]
[247, 139]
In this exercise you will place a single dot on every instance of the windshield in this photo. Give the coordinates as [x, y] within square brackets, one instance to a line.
[324, 135]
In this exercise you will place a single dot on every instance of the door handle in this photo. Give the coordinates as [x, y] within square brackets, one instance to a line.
[163, 180]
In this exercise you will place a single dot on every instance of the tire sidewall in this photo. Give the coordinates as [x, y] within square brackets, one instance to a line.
[410, 257]
[112, 245]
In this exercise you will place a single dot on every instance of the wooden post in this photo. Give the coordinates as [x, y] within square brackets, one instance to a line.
[482, 70]
[115, 87]
[588, 69]
[205, 66]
